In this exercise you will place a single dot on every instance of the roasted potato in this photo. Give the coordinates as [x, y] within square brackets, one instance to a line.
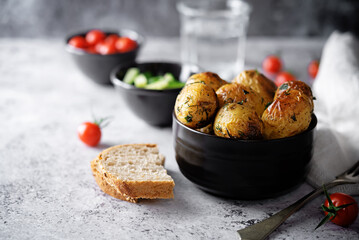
[288, 115]
[237, 93]
[297, 85]
[206, 129]
[208, 78]
[238, 121]
[196, 105]
[258, 82]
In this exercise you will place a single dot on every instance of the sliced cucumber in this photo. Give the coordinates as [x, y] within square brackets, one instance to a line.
[148, 75]
[141, 81]
[158, 85]
[175, 84]
[154, 79]
[148, 81]
[170, 77]
[130, 75]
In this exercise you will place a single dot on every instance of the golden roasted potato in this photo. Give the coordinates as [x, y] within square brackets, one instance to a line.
[206, 129]
[234, 120]
[196, 105]
[208, 78]
[258, 82]
[237, 93]
[297, 85]
[289, 114]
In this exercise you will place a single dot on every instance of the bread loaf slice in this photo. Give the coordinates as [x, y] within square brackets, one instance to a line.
[133, 171]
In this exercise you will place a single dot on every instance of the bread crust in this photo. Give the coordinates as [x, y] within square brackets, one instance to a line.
[107, 188]
[130, 191]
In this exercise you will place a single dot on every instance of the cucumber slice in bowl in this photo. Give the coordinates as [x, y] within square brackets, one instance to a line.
[175, 84]
[158, 85]
[131, 74]
[140, 81]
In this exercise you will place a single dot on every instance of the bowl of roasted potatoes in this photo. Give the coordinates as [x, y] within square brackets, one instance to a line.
[244, 139]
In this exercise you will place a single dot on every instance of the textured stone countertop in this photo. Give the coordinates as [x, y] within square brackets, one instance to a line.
[47, 190]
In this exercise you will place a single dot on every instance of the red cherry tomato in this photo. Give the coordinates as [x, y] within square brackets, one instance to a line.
[125, 44]
[283, 77]
[105, 48]
[95, 36]
[78, 42]
[313, 68]
[92, 49]
[89, 133]
[272, 64]
[345, 216]
[111, 39]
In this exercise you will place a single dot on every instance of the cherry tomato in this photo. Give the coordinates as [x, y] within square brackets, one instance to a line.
[92, 49]
[272, 64]
[78, 42]
[283, 77]
[345, 216]
[111, 39]
[95, 36]
[125, 44]
[89, 133]
[313, 68]
[105, 48]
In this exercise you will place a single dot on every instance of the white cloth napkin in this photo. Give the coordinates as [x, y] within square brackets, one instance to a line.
[336, 88]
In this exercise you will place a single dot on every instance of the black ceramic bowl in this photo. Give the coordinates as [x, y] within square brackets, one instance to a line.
[243, 169]
[98, 67]
[153, 106]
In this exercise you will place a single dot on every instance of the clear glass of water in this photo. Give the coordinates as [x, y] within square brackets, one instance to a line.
[213, 34]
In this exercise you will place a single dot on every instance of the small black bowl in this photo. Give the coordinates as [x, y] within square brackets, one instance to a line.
[98, 67]
[243, 169]
[153, 106]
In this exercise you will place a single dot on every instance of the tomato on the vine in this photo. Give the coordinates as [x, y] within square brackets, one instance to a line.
[125, 44]
[78, 42]
[95, 36]
[313, 68]
[340, 209]
[272, 64]
[284, 77]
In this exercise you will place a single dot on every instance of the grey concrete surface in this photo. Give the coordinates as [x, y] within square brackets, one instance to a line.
[47, 190]
[159, 18]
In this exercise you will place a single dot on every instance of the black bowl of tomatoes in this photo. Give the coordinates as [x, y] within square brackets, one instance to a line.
[97, 52]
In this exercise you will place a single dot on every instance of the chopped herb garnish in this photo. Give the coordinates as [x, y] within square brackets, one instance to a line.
[240, 103]
[245, 92]
[188, 118]
[293, 117]
[229, 100]
[201, 122]
[218, 128]
[283, 86]
[267, 105]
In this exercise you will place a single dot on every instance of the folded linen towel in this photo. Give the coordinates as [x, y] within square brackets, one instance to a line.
[336, 88]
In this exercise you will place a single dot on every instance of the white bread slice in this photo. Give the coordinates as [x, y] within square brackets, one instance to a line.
[133, 171]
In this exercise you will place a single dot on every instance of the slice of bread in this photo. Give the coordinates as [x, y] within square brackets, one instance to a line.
[133, 171]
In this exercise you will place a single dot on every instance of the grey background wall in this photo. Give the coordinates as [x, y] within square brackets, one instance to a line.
[56, 18]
